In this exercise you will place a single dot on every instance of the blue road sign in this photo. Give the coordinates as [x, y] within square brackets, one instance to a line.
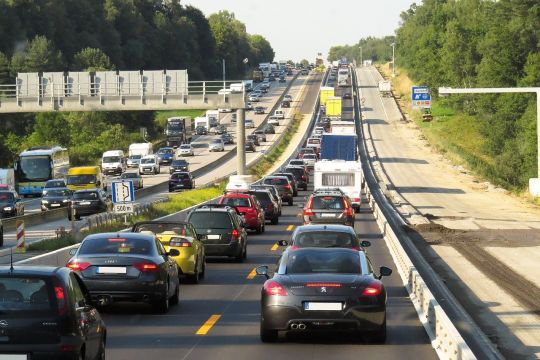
[421, 98]
[123, 191]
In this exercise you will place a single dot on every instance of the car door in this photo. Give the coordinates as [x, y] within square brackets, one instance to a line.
[86, 315]
[171, 267]
[197, 244]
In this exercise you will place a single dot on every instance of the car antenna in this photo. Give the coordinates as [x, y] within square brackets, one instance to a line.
[11, 259]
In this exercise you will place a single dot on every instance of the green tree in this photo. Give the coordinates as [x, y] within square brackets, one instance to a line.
[91, 59]
[5, 77]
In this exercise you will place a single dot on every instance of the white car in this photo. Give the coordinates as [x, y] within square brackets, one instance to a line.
[280, 114]
[149, 165]
[185, 150]
[287, 98]
[217, 145]
[272, 120]
[254, 98]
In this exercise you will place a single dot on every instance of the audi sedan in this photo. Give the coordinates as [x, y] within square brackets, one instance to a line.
[127, 267]
[318, 289]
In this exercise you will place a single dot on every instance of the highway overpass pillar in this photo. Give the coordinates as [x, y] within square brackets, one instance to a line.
[240, 141]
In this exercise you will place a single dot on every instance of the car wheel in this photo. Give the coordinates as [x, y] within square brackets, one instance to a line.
[290, 202]
[101, 351]
[259, 229]
[176, 297]
[162, 305]
[240, 257]
[267, 335]
[245, 252]
[379, 336]
[203, 269]
[196, 277]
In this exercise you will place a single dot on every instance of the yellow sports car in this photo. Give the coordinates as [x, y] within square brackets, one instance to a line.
[181, 236]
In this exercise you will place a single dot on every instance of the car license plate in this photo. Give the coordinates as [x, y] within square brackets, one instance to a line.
[84, 203]
[213, 237]
[111, 270]
[323, 306]
[13, 357]
[55, 205]
[328, 215]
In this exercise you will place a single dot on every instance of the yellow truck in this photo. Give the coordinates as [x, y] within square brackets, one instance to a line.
[325, 92]
[333, 107]
[84, 177]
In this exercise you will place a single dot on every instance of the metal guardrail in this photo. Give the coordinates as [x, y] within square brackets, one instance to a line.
[418, 277]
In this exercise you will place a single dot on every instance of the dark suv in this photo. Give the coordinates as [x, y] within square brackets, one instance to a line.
[179, 165]
[47, 314]
[89, 202]
[300, 174]
[292, 179]
[328, 207]
[270, 206]
[283, 186]
[221, 229]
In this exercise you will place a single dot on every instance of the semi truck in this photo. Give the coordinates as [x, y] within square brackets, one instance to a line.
[343, 127]
[333, 107]
[257, 75]
[347, 175]
[339, 147]
[325, 93]
[178, 130]
[213, 117]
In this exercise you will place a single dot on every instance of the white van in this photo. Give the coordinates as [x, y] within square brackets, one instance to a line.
[346, 175]
[280, 114]
[113, 162]
[149, 165]
[137, 151]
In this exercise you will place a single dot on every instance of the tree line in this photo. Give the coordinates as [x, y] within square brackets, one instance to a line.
[375, 49]
[91, 35]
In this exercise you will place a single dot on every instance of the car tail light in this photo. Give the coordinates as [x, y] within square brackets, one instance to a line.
[288, 187]
[235, 234]
[270, 207]
[61, 300]
[293, 247]
[373, 289]
[146, 267]
[180, 243]
[68, 348]
[78, 266]
[273, 288]
[356, 200]
[303, 177]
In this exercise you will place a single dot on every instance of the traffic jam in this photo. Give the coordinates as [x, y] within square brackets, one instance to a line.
[322, 277]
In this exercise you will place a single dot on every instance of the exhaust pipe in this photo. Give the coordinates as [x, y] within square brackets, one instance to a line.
[294, 326]
[302, 326]
[146, 298]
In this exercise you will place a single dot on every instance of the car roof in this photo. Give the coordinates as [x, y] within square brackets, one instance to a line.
[33, 270]
[126, 235]
[234, 194]
[328, 228]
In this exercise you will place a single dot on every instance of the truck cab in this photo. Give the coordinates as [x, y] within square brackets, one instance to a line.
[113, 162]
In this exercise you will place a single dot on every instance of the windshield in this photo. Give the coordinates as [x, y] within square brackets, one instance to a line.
[165, 228]
[135, 157]
[81, 179]
[325, 239]
[165, 151]
[328, 203]
[238, 202]
[115, 246]
[60, 192]
[309, 262]
[112, 159]
[148, 161]
[27, 295]
[6, 197]
[179, 176]
[276, 181]
[35, 168]
[179, 163]
[85, 195]
[174, 126]
[55, 183]
[210, 220]
[310, 156]
[216, 141]
[187, 147]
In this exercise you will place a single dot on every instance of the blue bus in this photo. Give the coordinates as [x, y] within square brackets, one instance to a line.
[35, 166]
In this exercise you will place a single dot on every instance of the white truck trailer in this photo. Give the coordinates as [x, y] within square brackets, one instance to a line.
[346, 175]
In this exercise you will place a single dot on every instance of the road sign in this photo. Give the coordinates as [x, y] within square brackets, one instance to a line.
[125, 208]
[122, 191]
[21, 245]
[421, 98]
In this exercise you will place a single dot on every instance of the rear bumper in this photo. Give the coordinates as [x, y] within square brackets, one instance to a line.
[125, 289]
[87, 210]
[45, 351]
[341, 221]
[230, 249]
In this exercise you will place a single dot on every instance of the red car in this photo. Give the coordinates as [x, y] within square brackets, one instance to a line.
[248, 207]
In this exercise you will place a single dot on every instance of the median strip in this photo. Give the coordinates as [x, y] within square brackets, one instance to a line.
[252, 274]
[203, 330]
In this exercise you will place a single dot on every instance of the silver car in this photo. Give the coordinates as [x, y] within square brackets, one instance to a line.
[217, 145]
[249, 124]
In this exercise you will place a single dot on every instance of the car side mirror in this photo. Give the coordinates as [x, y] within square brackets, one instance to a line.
[365, 243]
[173, 252]
[384, 271]
[283, 243]
[263, 271]
[73, 251]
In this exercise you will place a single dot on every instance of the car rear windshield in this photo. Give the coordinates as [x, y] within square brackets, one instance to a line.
[262, 196]
[328, 202]
[325, 239]
[179, 163]
[334, 262]
[210, 220]
[296, 172]
[310, 156]
[56, 183]
[86, 196]
[185, 146]
[119, 245]
[180, 176]
[275, 181]
[297, 162]
[236, 201]
[26, 295]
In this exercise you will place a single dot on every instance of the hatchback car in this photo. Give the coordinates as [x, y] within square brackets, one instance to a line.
[181, 181]
[135, 178]
[328, 207]
[227, 139]
[10, 204]
[220, 228]
[323, 289]
[250, 146]
[297, 162]
[179, 165]
[310, 160]
[216, 145]
[300, 175]
[268, 204]
[292, 180]
[182, 236]
[254, 97]
[186, 150]
[283, 185]
[273, 191]
[259, 110]
[127, 267]
[47, 313]
[220, 129]
[201, 130]
[149, 165]
[254, 138]
[89, 202]
[287, 98]
[327, 236]
[269, 129]
[260, 134]
[56, 198]
[165, 155]
[248, 207]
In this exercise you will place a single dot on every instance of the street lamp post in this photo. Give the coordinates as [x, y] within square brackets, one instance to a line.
[361, 60]
[534, 183]
[393, 59]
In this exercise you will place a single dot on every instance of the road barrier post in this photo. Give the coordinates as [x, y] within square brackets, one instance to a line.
[21, 245]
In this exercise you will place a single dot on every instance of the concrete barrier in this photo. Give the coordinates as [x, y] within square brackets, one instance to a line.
[35, 219]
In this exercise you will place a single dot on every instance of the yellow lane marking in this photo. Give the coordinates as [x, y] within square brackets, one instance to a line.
[203, 330]
[290, 228]
[275, 247]
[252, 274]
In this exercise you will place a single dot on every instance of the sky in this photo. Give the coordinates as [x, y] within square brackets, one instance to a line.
[299, 29]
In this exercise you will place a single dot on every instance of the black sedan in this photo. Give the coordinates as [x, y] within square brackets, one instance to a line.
[10, 204]
[227, 139]
[47, 314]
[127, 267]
[323, 289]
[259, 110]
[250, 146]
[179, 165]
[89, 202]
[181, 181]
[55, 198]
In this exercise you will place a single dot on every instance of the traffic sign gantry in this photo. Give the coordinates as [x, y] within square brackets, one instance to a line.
[421, 98]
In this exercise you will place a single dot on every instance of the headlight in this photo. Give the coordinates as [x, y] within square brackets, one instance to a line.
[8, 208]
[44, 201]
[65, 201]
